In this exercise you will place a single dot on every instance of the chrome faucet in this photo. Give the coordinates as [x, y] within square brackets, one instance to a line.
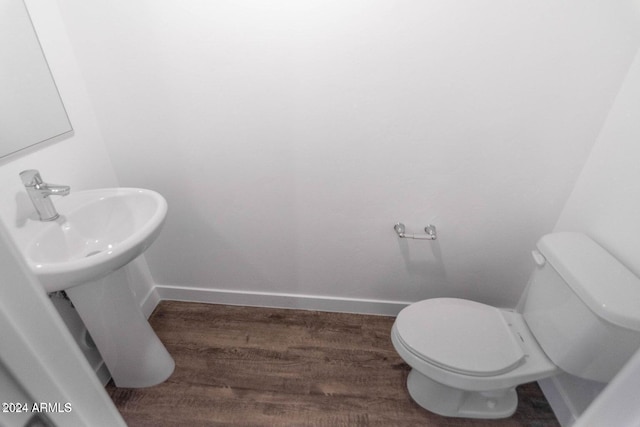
[39, 193]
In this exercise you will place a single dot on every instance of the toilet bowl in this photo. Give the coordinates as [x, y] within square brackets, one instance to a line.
[467, 357]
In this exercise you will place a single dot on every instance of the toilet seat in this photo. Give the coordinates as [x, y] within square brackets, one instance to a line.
[460, 336]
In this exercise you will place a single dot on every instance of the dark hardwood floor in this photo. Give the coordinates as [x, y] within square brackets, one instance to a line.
[247, 366]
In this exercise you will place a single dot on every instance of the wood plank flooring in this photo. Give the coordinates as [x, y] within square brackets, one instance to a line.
[247, 366]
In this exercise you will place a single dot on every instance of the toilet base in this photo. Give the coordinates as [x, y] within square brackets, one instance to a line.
[452, 402]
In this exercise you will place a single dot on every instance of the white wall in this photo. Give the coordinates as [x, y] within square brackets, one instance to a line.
[289, 136]
[605, 202]
[618, 404]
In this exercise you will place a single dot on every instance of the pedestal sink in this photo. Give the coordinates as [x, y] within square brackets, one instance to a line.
[83, 252]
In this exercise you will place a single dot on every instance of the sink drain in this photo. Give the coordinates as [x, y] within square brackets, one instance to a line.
[92, 253]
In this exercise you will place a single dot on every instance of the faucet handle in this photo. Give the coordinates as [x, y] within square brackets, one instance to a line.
[31, 177]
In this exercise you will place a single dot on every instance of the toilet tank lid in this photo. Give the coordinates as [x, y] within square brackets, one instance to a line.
[606, 286]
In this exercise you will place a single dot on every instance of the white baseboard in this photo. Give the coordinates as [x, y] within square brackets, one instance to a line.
[570, 396]
[269, 299]
[559, 402]
[150, 301]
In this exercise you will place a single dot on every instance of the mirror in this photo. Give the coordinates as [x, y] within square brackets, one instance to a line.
[31, 110]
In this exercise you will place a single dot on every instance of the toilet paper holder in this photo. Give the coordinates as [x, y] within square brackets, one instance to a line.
[430, 231]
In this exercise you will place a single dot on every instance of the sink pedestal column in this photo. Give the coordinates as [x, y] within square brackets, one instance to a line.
[129, 347]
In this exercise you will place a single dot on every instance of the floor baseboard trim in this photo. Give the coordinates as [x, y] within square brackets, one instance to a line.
[149, 302]
[560, 405]
[274, 300]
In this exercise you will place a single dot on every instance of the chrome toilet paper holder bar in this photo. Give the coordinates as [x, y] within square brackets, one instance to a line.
[430, 231]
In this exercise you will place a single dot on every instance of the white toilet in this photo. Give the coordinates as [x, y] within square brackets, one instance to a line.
[581, 315]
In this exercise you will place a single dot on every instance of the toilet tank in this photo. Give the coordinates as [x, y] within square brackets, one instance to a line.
[583, 306]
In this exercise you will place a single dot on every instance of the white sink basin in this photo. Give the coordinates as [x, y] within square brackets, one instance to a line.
[98, 232]
[84, 252]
